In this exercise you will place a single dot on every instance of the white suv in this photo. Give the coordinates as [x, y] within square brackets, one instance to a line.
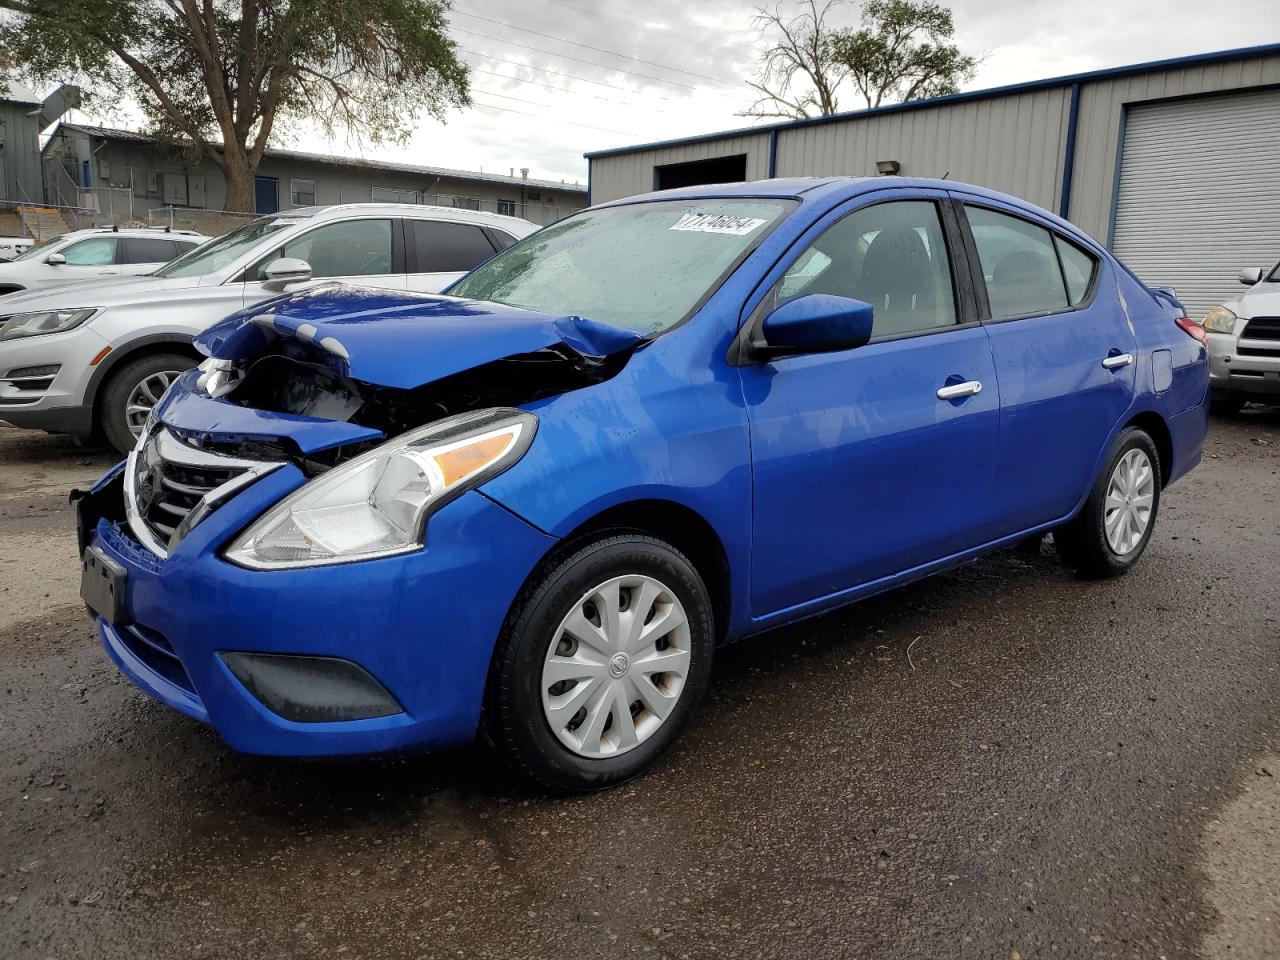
[98, 356]
[93, 255]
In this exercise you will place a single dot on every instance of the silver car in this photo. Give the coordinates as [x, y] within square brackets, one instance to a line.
[85, 255]
[98, 356]
[1244, 343]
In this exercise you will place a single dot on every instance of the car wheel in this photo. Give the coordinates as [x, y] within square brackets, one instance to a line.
[1114, 526]
[602, 660]
[132, 392]
[1226, 404]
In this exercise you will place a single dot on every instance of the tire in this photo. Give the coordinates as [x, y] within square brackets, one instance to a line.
[114, 414]
[522, 693]
[1084, 543]
[1225, 404]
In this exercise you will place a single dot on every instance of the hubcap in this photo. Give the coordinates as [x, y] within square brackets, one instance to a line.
[1130, 495]
[144, 397]
[616, 666]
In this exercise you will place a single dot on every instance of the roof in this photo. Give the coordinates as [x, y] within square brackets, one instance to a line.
[133, 136]
[1221, 56]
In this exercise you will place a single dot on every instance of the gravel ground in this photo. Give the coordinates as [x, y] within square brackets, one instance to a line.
[1002, 761]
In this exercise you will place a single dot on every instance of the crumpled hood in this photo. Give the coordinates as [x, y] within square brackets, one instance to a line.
[405, 340]
[95, 293]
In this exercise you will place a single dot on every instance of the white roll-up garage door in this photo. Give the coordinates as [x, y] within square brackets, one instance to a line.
[1199, 195]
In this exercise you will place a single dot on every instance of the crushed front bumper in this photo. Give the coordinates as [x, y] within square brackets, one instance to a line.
[422, 625]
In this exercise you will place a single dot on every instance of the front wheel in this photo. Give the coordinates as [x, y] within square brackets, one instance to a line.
[601, 662]
[132, 392]
[1112, 529]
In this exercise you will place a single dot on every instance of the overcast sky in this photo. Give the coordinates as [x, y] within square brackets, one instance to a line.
[619, 73]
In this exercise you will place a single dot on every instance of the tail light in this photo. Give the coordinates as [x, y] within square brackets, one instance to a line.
[1193, 330]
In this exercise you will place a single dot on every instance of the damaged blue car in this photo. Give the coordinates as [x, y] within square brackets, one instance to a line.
[380, 521]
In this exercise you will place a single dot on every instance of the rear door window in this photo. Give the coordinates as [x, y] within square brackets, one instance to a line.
[442, 247]
[1078, 268]
[1019, 265]
[148, 250]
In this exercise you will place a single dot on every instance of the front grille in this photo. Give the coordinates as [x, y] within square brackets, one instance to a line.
[1259, 351]
[170, 481]
[1262, 328]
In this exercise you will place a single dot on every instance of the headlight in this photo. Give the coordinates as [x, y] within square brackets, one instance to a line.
[377, 504]
[1220, 320]
[46, 321]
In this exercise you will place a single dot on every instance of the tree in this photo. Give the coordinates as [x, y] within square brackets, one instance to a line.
[902, 51]
[221, 77]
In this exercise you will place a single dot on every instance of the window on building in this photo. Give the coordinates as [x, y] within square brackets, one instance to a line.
[393, 195]
[147, 250]
[97, 252]
[507, 208]
[302, 193]
[448, 247]
[890, 255]
[349, 248]
[1019, 265]
[462, 203]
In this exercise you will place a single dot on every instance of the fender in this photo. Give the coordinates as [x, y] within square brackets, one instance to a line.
[123, 353]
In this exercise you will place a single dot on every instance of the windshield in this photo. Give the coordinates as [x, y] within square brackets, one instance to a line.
[643, 266]
[216, 254]
[32, 252]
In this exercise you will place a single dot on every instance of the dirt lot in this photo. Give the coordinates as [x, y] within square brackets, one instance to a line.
[1003, 761]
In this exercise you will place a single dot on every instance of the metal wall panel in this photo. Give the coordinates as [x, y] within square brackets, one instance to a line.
[1012, 143]
[1199, 194]
[625, 175]
[1102, 106]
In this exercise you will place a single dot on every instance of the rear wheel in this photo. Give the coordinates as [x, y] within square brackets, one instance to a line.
[132, 392]
[602, 661]
[1114, 526]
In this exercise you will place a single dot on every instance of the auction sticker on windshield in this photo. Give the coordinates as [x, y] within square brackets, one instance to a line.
[717, 223]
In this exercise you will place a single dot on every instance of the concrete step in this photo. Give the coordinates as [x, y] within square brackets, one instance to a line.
[43, 223]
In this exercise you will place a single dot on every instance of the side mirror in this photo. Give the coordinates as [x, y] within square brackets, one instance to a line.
[816, 323]
[286, 270]
[1251, 275]
[55, 259]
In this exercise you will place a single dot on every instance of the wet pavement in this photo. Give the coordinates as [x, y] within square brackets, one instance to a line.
[1002, 761]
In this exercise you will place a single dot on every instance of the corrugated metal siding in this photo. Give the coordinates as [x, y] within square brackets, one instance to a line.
[626, 175]
[20, 163]
[1199, 195]
[1098, 134]
[1012, 143]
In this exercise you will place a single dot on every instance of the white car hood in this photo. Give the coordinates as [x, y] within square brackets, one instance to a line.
[1262, 300]
[97, 293]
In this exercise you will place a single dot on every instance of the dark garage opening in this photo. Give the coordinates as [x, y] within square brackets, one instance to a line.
[695, 172]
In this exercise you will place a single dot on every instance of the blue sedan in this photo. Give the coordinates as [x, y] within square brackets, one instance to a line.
[375, 521]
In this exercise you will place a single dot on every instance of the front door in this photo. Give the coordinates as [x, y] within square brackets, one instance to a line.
[266, 194]
[366, 252]
[861, 469]
[1065, 356]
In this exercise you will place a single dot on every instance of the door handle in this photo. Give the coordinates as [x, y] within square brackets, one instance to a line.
[1118, 361]
[955, 391]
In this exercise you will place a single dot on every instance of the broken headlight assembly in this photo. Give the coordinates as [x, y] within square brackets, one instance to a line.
[377, 504]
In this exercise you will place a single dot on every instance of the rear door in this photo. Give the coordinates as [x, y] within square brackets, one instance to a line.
[442, 251]
[861, 469]
[1065, 356]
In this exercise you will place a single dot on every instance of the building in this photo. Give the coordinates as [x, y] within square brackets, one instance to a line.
[129, 176]
[1174, 164]
[23, 114]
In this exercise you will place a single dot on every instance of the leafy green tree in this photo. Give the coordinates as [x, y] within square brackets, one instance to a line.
[221, 77]
[902, 51]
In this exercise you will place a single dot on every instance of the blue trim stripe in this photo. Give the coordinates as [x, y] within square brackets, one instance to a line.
[1115, 177]
[1221, 56]
[773, 154]
[1069, 153]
